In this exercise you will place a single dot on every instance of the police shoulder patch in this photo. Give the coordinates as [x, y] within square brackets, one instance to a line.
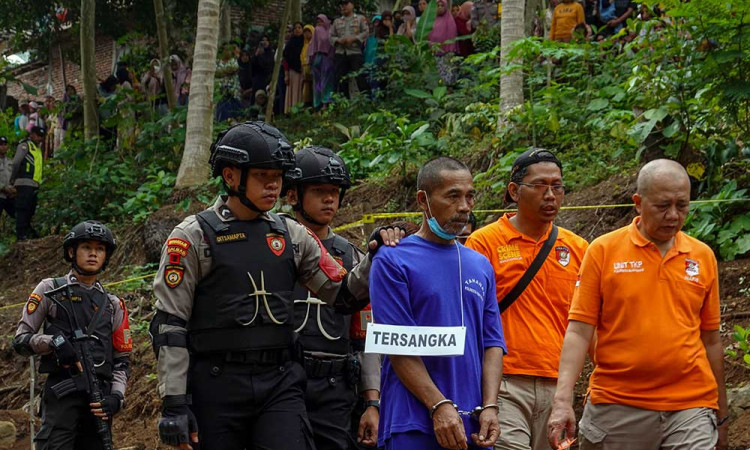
[177, 248]
[173, 275]
[33, 303]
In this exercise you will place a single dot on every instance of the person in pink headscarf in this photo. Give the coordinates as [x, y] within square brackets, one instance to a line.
[463, 27]
[320, 59]
[444, 28]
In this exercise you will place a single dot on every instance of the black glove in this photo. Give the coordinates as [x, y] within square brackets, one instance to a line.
[176, 423]
[375, 236]
[112, 404]
[64, 351]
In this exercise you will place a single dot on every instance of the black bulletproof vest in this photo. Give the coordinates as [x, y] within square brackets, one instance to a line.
[82, 303]
[310, 318]
[226, 315]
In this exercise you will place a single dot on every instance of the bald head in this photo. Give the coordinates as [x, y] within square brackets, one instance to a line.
[659, 174]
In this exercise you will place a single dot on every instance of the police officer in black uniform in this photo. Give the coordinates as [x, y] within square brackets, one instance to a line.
[315, 189]
[228, 361]
[82, 311]
[26, 177]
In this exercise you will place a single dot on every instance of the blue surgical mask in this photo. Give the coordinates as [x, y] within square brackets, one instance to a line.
[435, 226]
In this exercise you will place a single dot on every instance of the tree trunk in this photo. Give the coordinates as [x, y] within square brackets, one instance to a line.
[511, 30]
[277, 62]
[296, 13]
[88, 69]
[225, 22]
[166, 70]
[194, 166]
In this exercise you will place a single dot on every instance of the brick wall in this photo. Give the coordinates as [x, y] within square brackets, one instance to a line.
[39, 76]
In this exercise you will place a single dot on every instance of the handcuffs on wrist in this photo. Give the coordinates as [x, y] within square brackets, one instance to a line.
[473, 413]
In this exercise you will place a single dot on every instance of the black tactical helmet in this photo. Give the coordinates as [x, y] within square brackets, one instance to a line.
[89, 230]
[251, 145]
[319, 165]
[316, 165]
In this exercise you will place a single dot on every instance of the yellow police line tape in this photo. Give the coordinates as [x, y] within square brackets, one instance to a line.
[371, 218]
[141, 277]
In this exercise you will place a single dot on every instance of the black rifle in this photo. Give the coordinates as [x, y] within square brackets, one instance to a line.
[86, 379]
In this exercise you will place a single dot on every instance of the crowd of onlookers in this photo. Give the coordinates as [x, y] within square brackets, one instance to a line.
[578, 20]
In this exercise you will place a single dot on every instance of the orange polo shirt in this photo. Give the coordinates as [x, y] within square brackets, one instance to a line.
[564, 19]
[649, 312]
[535, 323]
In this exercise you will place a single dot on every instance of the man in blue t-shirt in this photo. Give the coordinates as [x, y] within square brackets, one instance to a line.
[429, 280]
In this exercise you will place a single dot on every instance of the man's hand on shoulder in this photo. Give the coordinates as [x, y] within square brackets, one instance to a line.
[385, 236]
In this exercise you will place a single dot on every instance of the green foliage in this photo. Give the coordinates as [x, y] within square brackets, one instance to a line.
[741, 346]
[725, 226]
[86, 180]
[426, 21]
[387, 141]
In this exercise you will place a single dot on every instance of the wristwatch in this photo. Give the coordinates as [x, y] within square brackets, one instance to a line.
[57, 341]
[375, 403]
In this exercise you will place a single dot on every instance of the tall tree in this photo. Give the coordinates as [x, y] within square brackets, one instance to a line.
[277, 62]
[199, 128]
[296, 12]
[225, 22]
[88, 69]
[511, 30]
[161, 28]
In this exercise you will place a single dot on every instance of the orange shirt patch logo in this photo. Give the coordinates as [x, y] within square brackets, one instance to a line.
[563, 255]
[276, 243]
[507, 253]
[692, 268]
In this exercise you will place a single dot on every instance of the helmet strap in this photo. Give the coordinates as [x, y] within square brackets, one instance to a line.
[298, 207]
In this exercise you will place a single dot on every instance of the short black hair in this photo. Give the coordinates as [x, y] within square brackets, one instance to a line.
[429, 175]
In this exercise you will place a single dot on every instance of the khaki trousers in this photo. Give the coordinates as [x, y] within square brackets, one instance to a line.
[620, 427]
[525, 405]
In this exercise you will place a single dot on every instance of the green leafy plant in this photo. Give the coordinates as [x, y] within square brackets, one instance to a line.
[723, 225]
[741, 345]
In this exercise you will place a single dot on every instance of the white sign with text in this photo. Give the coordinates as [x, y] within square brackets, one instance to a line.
[415, 341]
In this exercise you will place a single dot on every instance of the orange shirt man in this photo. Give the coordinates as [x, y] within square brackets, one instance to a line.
[566, 16]
[651, 293]
[535, 323]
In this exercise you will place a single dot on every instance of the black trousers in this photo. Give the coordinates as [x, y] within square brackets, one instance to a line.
[67, 423]
[343, 65]
[239, 407]
[330, 402]
[26, 199]
[9, 206]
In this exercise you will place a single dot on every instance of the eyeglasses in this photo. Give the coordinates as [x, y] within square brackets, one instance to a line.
[557, 189]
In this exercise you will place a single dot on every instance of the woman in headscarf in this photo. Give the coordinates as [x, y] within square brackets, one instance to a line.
[409, 27]
[444, 29]
[307, 90]
[262, 65]
[320, 58]
[180, 79]
[245, 76]
[463, 27]
[293, 68]
[374, 47]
